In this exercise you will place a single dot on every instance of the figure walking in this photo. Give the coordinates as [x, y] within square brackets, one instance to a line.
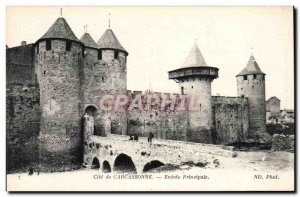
[150, 137]
[30, 171]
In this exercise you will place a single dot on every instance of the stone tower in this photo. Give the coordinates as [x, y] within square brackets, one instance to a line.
[113, 58]
[194, 79]
[58, 65]
[92, 82]
[251, 84]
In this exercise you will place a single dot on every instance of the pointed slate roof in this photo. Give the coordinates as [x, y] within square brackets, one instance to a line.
[194, 58]
[60, 29]
[251, 68]
[109, 41]
[88, 41]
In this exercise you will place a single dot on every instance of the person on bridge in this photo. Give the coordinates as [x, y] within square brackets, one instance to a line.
[136, 137]
[150, 137]
[30, 171]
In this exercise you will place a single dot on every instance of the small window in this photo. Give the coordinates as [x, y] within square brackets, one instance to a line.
[192, 87]
[102, 79]
[116, 54]
[68, 45]
[99, 54]
[254, 76]
[38, 48]
[245, 77]
[48, 45]
[182, 90]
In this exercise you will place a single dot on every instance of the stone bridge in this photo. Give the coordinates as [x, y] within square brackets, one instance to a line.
[117, 153]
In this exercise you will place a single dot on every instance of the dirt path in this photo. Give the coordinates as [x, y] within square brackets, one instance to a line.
[259, 161]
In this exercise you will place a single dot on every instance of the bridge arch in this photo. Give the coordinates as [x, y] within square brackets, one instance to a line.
[152, 164]
[106, 167]
[95, 163]
[124, 163]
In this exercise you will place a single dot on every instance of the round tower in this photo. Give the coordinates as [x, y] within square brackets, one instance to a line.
[113, 58]
[58, 62]
[251, 84]
[194, 79]
[93, 79]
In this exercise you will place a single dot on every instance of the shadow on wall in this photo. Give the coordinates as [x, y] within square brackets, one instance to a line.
[124, 163]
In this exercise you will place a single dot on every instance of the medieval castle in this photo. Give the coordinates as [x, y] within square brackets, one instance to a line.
[54, 82]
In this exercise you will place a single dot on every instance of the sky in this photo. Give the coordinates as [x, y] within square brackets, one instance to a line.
[158, 40]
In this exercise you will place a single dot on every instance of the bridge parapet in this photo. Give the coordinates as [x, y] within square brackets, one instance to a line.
[141, 152]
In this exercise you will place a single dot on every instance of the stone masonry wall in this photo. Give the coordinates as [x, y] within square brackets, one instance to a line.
[108, 149]
[94, 78]
[22, 110]
[230, 119]
[163, 123]
[200, 120]
[106, 76]
[19, 65]
[23, 126]
[254, 89]
[59, 74]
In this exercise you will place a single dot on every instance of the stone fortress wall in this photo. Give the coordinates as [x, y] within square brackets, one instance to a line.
[230, 122]
[53, 83]
[253, 87]
[58, 73]
[230, 119]
[97, 80]
[22, 109]
[104, 76]
[200, 120]
[163, 123]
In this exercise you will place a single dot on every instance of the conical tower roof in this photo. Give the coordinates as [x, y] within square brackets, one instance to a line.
[194, 66]
[109, 41]
[251, 68]
[194, 58]
[60, 29]
[88, 41]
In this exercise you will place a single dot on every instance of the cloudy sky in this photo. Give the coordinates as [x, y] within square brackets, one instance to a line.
[159, 39]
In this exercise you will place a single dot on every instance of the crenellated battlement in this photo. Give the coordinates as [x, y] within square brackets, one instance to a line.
[147, 92]
[54, 82]
[229, 100]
